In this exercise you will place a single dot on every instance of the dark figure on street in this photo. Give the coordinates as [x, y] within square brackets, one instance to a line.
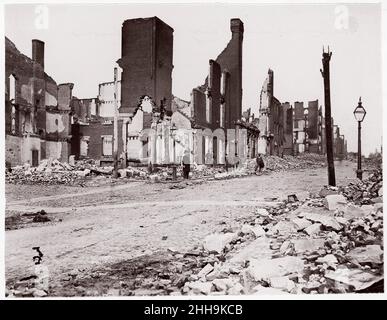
[186, 164]
[259, 163]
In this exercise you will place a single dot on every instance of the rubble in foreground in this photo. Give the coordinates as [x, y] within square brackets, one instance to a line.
[324, 244]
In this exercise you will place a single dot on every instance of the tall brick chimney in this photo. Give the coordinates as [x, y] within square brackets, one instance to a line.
[38, 51]
[270, 87]
[236, 26]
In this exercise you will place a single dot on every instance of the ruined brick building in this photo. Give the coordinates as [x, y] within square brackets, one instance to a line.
[300, 121]
[314, 139]
[45, 120]
[292, 130]
[250, 123]
[271, 119]
[217, 104]
[146, 62]
[37, 109]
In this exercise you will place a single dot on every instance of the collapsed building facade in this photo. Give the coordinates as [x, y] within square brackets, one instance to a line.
[217, 106]
[44, 120]
[143, 96]
[37, 109]
[271, 120]
[149, 130]
[307, 128]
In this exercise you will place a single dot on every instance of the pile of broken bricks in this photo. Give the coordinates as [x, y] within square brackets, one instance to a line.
[325, 244]
[52, 171]
[303, 161]
[368, 191]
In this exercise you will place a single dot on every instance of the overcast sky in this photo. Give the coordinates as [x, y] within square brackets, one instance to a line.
[84, 41]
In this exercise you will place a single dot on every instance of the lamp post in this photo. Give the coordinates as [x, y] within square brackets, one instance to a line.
[359, 114]
[173, 130]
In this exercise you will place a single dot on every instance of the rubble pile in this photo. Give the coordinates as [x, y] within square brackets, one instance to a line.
[328, 243]
[367, 191]
[303, 161]
[48, 172]
[53, 172]
[202, 171]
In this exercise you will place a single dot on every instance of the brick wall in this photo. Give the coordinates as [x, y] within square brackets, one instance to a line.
[313, 119]
[230, 59]
[146, 60]
[95, 130]
[288, 128]
[36, 96]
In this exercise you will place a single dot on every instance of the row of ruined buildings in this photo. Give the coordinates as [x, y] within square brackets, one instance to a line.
[44, 119]
[287, 129]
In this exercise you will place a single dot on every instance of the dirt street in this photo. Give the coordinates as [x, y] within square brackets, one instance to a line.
[91, 227]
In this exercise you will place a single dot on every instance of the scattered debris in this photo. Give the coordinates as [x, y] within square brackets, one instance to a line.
[217, 242]
[328, 243]
[334, 201]
[265, 269]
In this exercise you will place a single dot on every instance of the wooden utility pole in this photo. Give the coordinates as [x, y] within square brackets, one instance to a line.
[328, 118]
[115, 128]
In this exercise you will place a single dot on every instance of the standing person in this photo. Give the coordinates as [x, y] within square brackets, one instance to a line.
[259, 163]
[186, 164]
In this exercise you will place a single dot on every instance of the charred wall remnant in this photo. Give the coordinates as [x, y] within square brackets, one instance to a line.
[36, 112]
[312, 119]
[288, 128]
[271, 119]
[147, 62]
[312, 127]
[230, 60]
[217, 104]
[223, 84]
[94, 140]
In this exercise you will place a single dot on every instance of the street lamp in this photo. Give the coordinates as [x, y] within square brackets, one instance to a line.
[173, 130]
[359, 114]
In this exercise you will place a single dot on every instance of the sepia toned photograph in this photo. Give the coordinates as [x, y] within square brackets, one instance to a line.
[191, 150]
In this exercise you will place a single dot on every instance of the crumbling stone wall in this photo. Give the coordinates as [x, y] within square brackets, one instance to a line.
[54, 150]
[13, 149]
